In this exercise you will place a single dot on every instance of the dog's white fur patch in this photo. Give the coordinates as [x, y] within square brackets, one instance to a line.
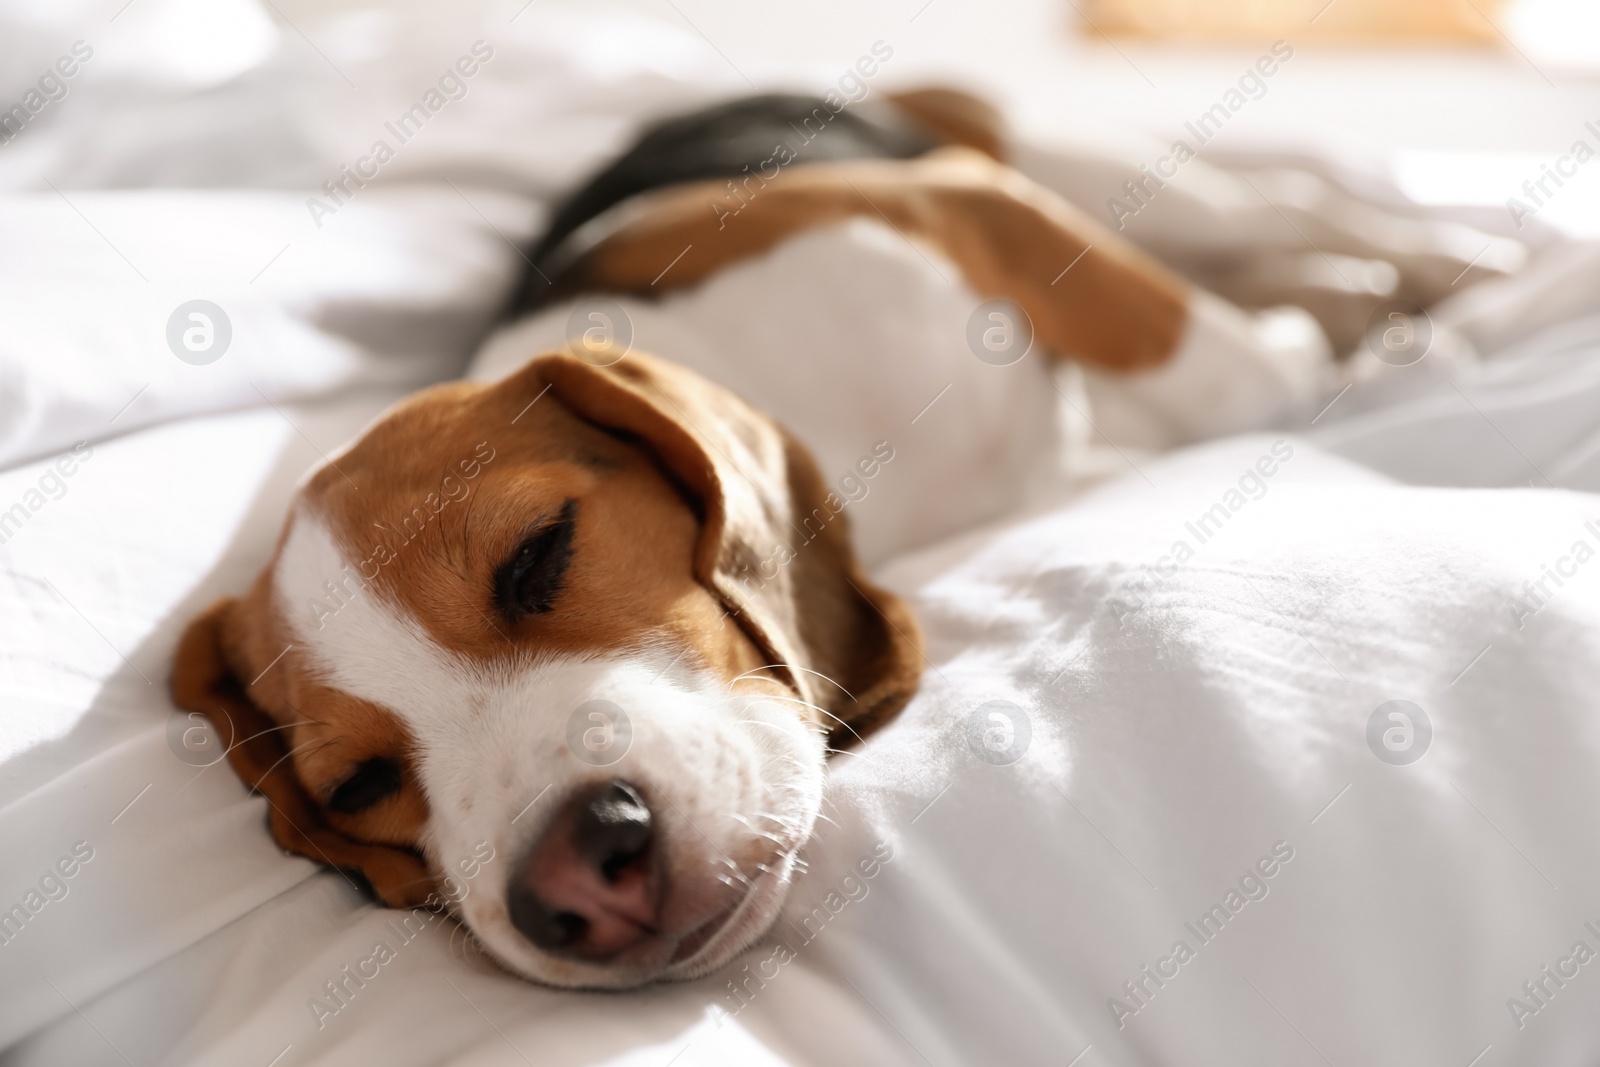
[734, 780]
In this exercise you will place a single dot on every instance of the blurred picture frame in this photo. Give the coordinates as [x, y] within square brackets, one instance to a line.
[1454, 22]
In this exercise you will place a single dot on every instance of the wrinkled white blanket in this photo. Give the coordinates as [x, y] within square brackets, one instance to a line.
[1176, 727]
[1151, 805]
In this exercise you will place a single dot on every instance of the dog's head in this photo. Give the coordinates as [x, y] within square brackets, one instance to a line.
[564, 653]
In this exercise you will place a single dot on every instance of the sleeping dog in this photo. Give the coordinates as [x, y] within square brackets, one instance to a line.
[601, 618]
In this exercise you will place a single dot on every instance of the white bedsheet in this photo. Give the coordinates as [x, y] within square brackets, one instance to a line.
[1182, 725]
[1181, 728]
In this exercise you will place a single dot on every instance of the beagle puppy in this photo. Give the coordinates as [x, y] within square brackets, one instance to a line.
[523, 624]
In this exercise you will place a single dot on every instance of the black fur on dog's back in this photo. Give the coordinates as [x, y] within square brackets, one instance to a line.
[729, 140]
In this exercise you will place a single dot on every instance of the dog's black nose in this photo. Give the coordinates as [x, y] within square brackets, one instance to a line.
[588, 887]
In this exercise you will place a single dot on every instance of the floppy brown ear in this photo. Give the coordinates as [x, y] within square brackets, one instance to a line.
[771, 547]
[205, 679]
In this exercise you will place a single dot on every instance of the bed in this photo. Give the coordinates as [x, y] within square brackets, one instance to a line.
[1316, 787]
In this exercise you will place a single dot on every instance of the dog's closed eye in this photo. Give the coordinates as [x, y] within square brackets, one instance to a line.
[527, 583]
[373, 780]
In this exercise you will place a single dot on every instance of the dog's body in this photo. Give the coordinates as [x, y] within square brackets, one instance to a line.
[598, 617]
[839, 297]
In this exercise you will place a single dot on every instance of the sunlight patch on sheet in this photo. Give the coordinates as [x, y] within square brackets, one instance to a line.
[86, 590]
[1529, 179]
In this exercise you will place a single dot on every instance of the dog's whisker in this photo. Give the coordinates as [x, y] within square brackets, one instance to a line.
[792, 667]
[263, 733]
[822, 711]
[780, 841]
[783, 823]
[739, 877]
[285, 756]
[330, 741]
[470, 943]
[829, 803]
[781, 820]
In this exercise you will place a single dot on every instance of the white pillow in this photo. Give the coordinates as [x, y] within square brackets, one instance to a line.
[100, 337]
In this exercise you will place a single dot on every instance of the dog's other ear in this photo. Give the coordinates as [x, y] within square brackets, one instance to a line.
[955, 117]
[207, 673]
[774, 543]
[1011, 237]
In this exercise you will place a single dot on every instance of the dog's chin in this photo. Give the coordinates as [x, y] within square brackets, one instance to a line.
[696, 952]
[708, 948]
